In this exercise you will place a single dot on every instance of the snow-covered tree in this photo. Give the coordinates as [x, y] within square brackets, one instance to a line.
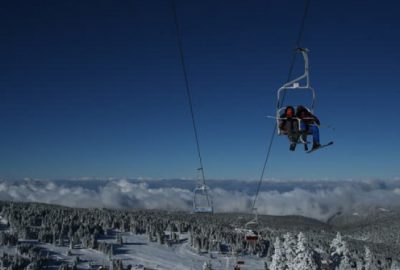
[207, 265]
[289, 245]
[395, 265]
[304, 255]
[278, 259]
[340, 254]
[370, 260]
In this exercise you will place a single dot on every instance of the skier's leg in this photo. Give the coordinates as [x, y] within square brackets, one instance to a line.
[303, 131]
[315, 133]
[293, 133]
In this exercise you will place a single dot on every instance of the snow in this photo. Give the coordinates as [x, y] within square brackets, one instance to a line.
[137, 251]
[3, 220]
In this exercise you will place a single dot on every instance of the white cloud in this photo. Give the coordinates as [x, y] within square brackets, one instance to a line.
[320, 203]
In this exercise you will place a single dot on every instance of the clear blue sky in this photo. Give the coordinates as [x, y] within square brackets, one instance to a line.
[95, 88]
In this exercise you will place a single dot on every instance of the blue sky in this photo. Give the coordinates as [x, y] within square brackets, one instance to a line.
[95, 88]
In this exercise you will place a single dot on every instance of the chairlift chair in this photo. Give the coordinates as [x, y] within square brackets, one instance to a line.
[298, 84]
[250, 234]
[202, 200]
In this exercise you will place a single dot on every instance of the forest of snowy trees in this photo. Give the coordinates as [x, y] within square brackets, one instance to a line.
[283, 244]
[295, 253]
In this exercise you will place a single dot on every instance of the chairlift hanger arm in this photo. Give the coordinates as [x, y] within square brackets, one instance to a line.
[305, 75]
[296, 83]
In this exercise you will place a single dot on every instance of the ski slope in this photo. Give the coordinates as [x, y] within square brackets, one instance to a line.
[138, 252]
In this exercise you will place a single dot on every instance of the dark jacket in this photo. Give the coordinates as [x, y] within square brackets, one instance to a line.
[306, 116]
[282, 123]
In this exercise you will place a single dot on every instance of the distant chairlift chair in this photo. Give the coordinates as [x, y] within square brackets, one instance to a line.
[202, 200]
[251, 236]
[249, 231]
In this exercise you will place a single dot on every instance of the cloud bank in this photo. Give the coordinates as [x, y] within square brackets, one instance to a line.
[318, 200]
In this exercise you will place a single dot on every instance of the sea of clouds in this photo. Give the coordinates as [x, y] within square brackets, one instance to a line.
[315, 199]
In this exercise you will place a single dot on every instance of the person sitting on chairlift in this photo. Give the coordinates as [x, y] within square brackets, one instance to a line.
[308, 123]
[289, 124]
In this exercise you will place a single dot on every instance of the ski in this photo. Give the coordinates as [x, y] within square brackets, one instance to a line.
[322, 146]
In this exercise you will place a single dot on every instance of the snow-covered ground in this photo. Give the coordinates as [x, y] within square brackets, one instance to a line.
[137, 250]
[140, 253]
[3, 220]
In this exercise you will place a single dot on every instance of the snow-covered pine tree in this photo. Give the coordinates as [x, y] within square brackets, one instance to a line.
[395, 265]
[207, 265]
[304, 255]
[289, 245]
[340, 254]
[370, 262]
[278, 259]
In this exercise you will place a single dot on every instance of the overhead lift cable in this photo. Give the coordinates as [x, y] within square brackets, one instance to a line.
[291, 66]
[202, 188]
